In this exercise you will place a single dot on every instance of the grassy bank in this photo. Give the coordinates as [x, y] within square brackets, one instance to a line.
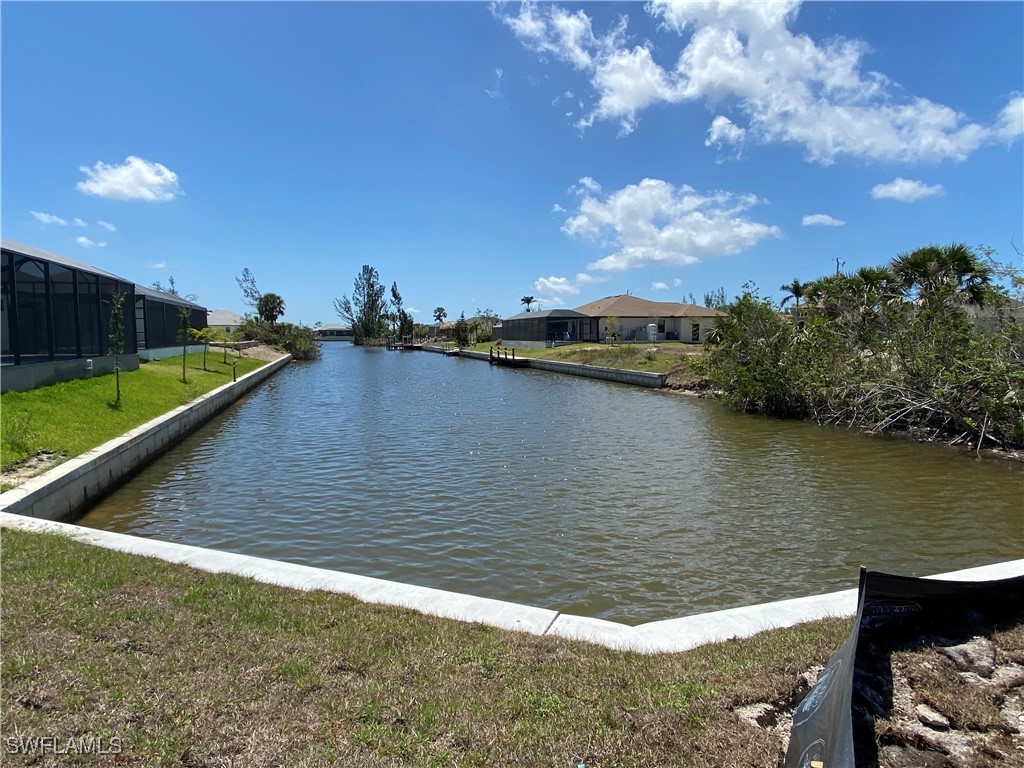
[189, 668]
[663, 357]
[74, 416]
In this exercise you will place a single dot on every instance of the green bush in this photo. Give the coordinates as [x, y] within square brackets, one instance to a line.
[297, 340]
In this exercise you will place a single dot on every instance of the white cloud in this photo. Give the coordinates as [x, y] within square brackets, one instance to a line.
[821, 219]
[1011, 120]
[558, 287]
[627, 82]
[724, 131]
[413, 310]
[494, 91]
[85, 242]
[135, 179]
[584, 186]
[107, 225]
[49, 218]
[905, 190]
[777, 86]
[556, 208]
[659, 286]
[676, 282]
[156, 264]
[80, 223]
[550, 30]
[654, 222]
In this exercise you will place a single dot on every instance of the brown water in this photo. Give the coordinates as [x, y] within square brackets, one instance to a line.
[579, 495]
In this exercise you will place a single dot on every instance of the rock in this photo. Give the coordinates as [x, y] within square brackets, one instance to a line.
[977, 655]
[1005, 677]
[754, 713]
[931, 717]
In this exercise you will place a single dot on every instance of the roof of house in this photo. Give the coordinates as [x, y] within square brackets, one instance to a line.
[334, 327]
[64, 261]
[553, 313]
[626, 305]
[167, 297]
[223, 317]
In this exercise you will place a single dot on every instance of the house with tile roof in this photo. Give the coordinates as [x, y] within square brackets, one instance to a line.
[673, 321]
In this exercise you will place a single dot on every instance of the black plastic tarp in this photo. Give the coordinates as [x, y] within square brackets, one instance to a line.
[890, 609]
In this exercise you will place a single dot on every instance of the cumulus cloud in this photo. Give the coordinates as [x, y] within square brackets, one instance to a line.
[724, 131]
[1011, 120]
[654, 222]
[822, 220]
[134, 179]
[85, 242]
[556, 208]
[156, 264]
[777, 86]
[627, 81]
[585, 186]
[658, 285]
[676, 282]
[80, 223]
[559, 287]
[107, 225]
[905, 190]
[49, 218]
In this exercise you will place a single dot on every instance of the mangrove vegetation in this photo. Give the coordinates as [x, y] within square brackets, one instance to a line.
[930, 344]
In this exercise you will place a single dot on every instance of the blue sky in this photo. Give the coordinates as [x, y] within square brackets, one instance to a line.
[476, 153]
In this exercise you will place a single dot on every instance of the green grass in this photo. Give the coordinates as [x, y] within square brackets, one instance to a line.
[192, 668]
[635, 357]
[74, 416]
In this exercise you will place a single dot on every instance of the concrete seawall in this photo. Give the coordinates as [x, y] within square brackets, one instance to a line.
[69, 489]
[668, 636]
[619, 375]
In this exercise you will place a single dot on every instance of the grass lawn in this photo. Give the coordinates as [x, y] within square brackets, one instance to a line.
[634, 357]
[190, 668]
[74, 416]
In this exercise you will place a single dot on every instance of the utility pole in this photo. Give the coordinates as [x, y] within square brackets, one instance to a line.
[837, 265]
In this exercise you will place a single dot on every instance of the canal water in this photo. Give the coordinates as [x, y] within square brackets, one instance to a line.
[584, 496]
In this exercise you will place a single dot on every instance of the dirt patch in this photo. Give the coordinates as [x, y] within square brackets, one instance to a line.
[36, 464]
[259, 352]
[683, 380]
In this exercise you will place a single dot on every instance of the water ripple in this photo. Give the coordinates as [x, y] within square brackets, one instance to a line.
[568, 493]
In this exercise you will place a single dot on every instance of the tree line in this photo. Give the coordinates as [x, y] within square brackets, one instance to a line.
[927, 344]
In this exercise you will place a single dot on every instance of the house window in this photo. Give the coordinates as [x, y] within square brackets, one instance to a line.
[694, 331]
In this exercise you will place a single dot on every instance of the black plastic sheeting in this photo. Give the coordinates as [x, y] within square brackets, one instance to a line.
[890, 610]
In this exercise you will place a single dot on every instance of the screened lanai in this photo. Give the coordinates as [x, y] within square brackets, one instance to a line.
[55, 318]
[548, 327]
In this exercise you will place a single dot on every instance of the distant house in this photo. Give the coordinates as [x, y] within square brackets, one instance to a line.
[444, 330]
[333, 332]
[993, 315]
[673, 321]
[223, 320]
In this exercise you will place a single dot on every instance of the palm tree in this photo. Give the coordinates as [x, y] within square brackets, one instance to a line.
[943, 271]
[269, 307]
[796, 291]
[527, 300]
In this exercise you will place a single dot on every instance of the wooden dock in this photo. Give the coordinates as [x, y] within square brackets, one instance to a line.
[404, 345]
[497, 358]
